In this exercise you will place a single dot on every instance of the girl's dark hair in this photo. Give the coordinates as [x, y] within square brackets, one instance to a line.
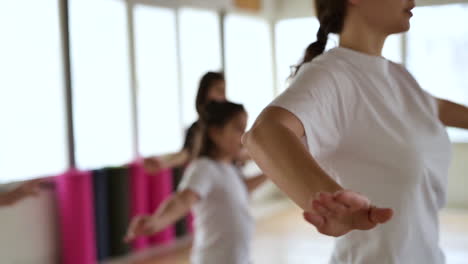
[331, 15]
[204, 88]
[214, 114]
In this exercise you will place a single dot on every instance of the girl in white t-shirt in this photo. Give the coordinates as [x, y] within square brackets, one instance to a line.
[354, 127]
[216, 191]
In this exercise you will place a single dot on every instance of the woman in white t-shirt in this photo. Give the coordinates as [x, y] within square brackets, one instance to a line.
[215, 189]
[353, 130]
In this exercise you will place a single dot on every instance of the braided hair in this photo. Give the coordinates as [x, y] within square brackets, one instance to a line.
[331, 15]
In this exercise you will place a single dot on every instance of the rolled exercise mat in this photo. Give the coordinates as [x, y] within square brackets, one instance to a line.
[160, 189]
[119, 209]
[101, 213]
[139, 199]
[76, 217]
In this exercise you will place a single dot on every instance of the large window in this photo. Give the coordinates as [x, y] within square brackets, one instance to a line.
[393, 48]
[200, 49]
[292, 37]
[249, 63]
[437, 53]
[174, 48]
[101, 85]
[32, 113]
[158, 88]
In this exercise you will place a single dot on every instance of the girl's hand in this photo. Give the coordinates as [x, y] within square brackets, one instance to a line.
[339, 213]
[142, 225]
[26, 189]
[152, 164]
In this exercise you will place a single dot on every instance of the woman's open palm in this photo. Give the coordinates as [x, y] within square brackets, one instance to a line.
[339, 213]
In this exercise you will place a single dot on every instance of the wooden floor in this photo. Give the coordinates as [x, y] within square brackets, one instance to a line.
[284, 238]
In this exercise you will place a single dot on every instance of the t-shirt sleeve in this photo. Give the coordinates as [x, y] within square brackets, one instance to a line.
[323, 107]
[430, 100]
[199, 178]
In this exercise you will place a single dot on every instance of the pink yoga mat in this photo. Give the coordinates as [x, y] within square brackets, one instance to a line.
[76, 213]
[139, 187]
[160, 188]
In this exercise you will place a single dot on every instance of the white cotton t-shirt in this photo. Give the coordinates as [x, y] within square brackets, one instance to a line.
[371, 127]
[223, 223]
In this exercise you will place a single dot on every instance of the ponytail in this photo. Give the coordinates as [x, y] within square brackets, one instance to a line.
[331, 15]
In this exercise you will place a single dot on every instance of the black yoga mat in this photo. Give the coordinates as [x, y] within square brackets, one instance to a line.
[101, 214]
[119, 209]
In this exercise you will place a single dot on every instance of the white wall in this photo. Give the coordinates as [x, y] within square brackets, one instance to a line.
[458, 177]
[212, 4]
[295, 8]
[305, 8]
[29, 231]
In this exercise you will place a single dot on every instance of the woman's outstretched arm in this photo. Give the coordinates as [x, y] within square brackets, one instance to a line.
[275, 144]
[452, 114]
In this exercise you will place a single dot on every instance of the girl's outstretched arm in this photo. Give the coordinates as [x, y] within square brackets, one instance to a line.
[24, 190]
[154, 164]
[171, 210]
[255, 182]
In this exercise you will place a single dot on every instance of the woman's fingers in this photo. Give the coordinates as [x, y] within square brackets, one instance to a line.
[337, 214]
[380, 215]
[320, 209]
[335, 208]
[366, 219]
[352, 200]
[316, 220]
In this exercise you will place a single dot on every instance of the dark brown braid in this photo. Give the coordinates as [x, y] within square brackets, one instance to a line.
[331, 15]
